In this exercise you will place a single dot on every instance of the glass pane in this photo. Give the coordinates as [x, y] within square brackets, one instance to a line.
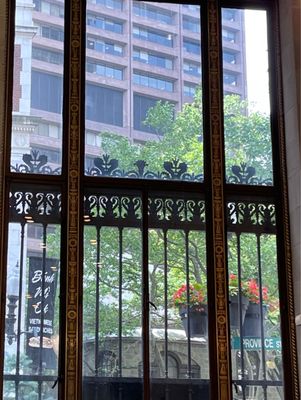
[32, 295]
[254, 298]
[112, 320]
[36, 145]
[179, 356]
[246, 97]
[146, 116]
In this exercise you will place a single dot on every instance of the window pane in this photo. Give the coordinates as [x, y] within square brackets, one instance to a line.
[246, 98]
[254, 299]
[113, 315]
[37, 87]
[112, 304]
[179, 358]
[32, 294]
[139, 114]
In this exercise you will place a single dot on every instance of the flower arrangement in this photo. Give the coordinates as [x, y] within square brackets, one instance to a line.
[253, 292]
[196, 295]
[249, 289]
[233, 286]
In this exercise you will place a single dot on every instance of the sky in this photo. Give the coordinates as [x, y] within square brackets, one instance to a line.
[257, 60]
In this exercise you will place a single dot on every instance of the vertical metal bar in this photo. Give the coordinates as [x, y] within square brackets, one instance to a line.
[96, 350]
[40, 369]
[120, 304]
[284, 253]
[42, 298]
[214, 169]
[120, 311]
[165, 305]
[74, 100]
[242, 356]
[167, 391]
[188, 302]
[261, 314]
[7, 29]
[145, 298]
[20, 309]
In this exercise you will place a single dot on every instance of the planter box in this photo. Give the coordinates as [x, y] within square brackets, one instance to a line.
[235, 306]
[252, 324]
[197, 319]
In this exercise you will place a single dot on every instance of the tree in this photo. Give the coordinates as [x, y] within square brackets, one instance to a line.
[179, 136]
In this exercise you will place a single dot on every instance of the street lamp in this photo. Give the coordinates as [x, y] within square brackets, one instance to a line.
[12, 297]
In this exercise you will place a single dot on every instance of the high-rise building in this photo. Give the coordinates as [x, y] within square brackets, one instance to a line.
[130, 65]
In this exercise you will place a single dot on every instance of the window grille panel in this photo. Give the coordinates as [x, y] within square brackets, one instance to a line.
[32, 300]
[254, 301]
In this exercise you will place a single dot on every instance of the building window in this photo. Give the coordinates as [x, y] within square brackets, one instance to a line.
[191, 24]
[104, 23]
[52, 33]
[104, 47]
[46, 55]
[230, 79]
[141, 106]
[229, 15]
[48, 130]
[229, 57]
[93, 139]
[49, 8]
[46, 92]
[229, 35]
[192, 68]
[155, 59]
[191, 46]
[191, 7]
[153, 13]
[53, 156]
[104, 105]
[104, 70]
[112, 4]
[162, 38]
[189, 89]
[142, 79]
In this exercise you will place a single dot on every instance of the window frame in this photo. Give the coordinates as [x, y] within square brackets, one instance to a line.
[73, 177]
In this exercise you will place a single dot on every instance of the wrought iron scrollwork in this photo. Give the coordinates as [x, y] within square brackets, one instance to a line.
[34, 205]
[244, 174]
[172, 170]
[35, 163]
[165, 211]
[248, 216]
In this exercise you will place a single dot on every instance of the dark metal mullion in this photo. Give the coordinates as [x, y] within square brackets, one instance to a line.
[242, 356]
[167, 390]
[145, 299]
[188, 302]
[42, 308]
[19, 309]
[165, 305]
[261, 314]
[120, 310]
[96, 353]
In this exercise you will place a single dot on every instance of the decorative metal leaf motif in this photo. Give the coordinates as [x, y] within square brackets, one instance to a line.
[243, 174]
[35, 163]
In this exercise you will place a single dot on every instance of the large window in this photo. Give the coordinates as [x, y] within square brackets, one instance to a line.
[104, 105]
[46, 92]
[144, 241]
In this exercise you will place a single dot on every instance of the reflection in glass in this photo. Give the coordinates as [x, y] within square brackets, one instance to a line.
[246, 98]
[37, 88]
[32, 310]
